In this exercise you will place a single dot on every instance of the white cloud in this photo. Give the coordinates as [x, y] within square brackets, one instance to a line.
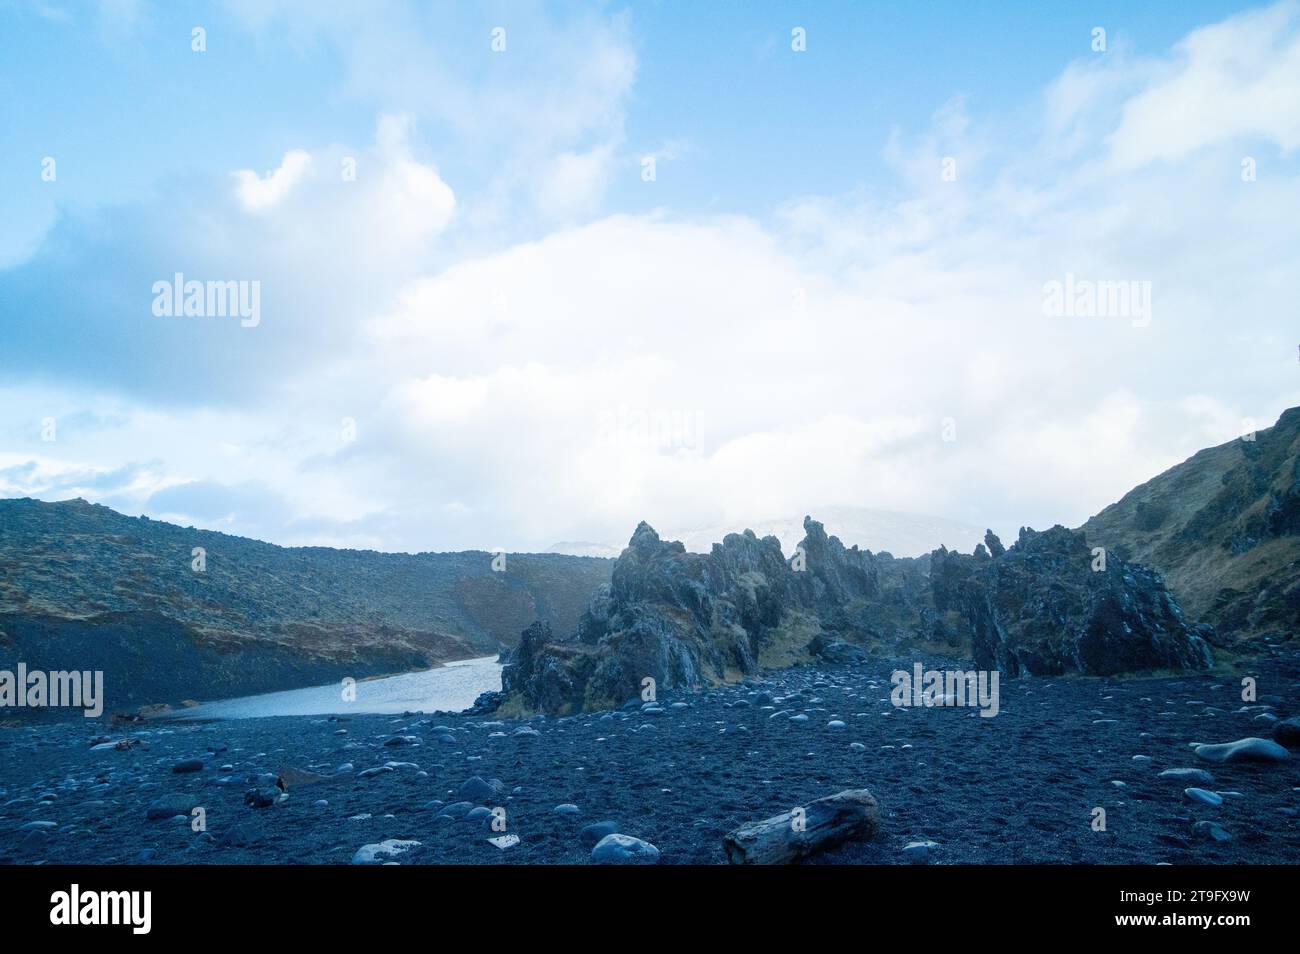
[1238, 79]
[410, 202]
[544, 119]
[257, 193]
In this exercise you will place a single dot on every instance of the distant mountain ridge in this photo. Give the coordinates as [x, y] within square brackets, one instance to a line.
[79, 582]
[585, 548]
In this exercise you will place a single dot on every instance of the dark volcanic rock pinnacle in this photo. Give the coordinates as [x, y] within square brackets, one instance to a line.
[548, 678]
[1046, 606]
[994, 545]
[834, 574]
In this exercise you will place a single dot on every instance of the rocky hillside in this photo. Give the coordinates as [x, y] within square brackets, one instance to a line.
[82, 586]
[1224, 529]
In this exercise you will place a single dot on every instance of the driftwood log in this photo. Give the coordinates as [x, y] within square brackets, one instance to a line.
[825, 823]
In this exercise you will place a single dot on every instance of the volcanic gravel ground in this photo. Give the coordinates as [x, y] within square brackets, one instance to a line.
[1019, 788]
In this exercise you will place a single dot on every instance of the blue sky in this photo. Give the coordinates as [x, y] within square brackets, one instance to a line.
[116, 93]
[534, 343]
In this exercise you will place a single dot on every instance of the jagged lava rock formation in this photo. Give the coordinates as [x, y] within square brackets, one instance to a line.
[688, 619]
[1049, 605]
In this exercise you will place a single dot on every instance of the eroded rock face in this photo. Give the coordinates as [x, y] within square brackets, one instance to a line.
[834, 575]
[685, 619]
[547, 678]
[1046, 606]
[689, 619]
